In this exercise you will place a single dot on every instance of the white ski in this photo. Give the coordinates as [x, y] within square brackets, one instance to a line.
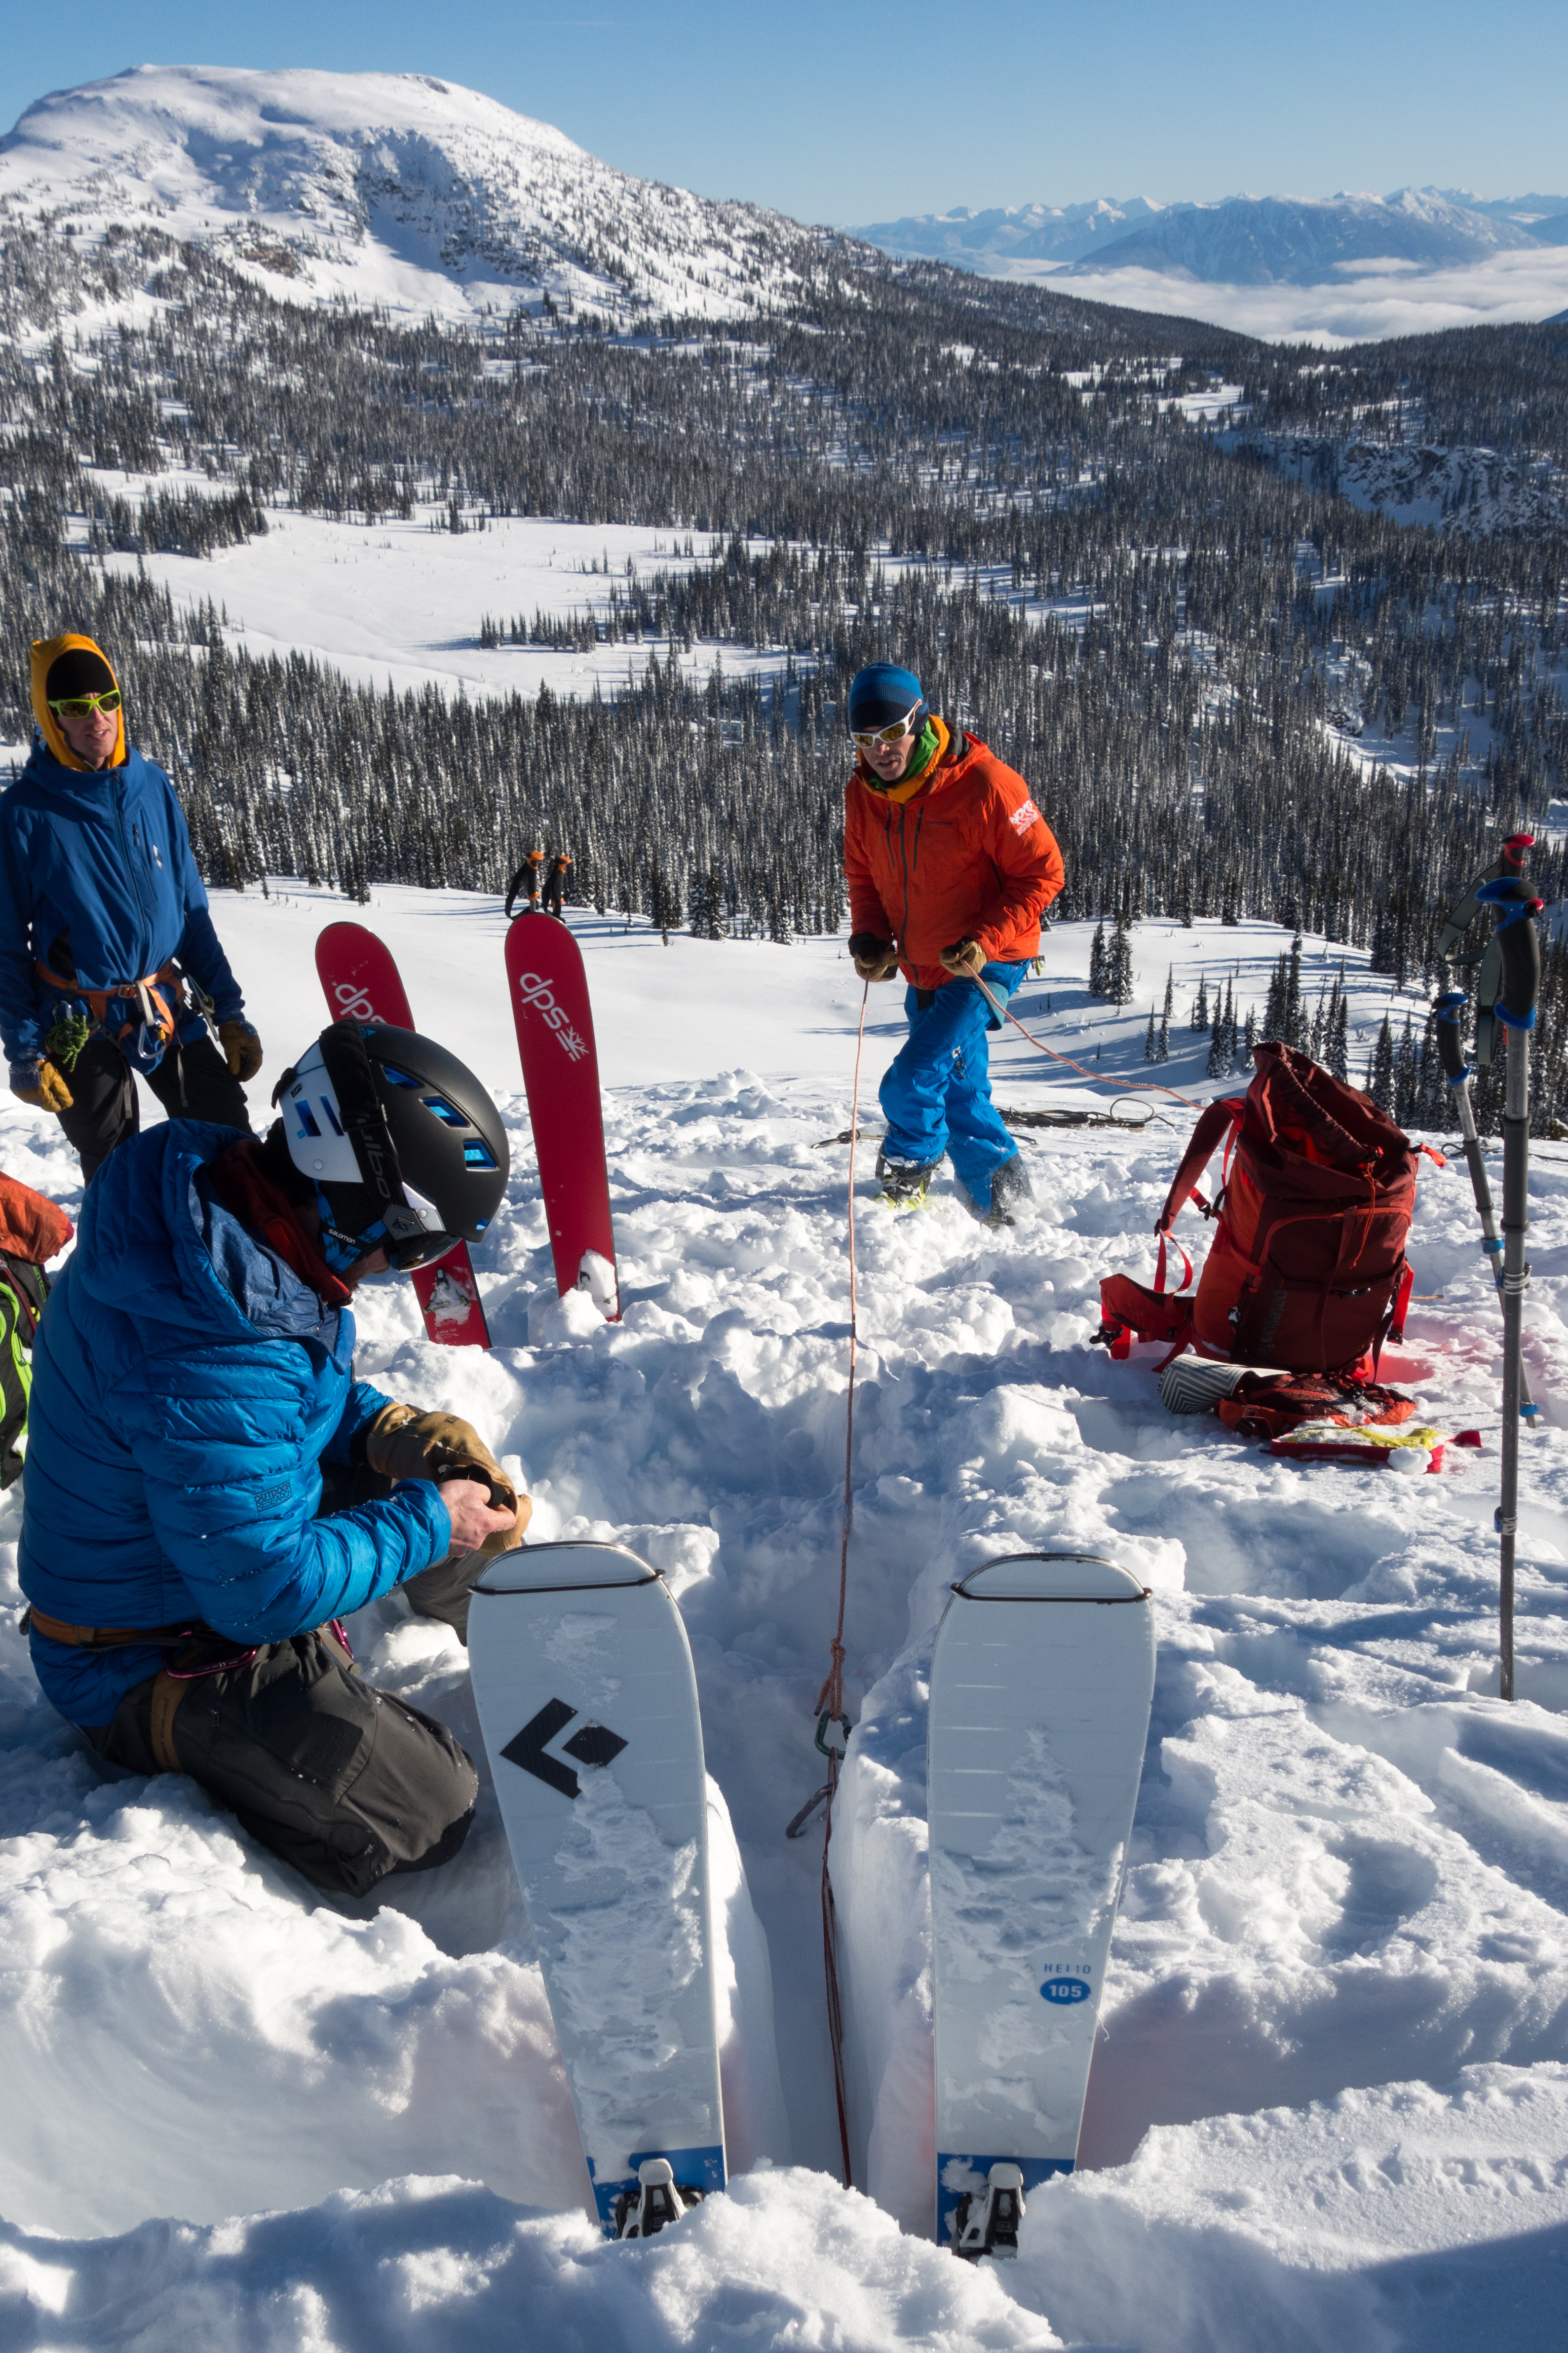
[587, 1701]
[1041, 1683]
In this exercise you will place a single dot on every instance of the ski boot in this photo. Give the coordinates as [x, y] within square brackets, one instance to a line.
[985, 2222]
[642, 2212]
[1010, 1186]
[904, 1184]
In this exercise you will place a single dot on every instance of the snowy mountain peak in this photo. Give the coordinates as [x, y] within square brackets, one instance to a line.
[1242, 239]
[392, 188]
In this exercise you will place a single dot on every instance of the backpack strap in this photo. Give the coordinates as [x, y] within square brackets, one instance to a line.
[1401, 1302]
[1219, 1122]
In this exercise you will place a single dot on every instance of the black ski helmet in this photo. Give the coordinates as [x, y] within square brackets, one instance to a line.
[404, 1145]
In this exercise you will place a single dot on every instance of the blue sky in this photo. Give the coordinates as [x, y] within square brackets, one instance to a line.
[860, 111]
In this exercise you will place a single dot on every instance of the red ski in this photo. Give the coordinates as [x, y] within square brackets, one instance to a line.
[363, 984]
[549, 991]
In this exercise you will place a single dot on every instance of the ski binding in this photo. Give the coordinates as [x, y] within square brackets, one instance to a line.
[985, 2222]
[642, 2212]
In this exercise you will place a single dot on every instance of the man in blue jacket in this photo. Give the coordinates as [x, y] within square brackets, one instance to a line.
[106, 949]
[192, 1397]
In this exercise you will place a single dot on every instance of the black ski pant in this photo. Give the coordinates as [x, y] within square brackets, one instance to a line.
[347, 1783]
[192, 1081]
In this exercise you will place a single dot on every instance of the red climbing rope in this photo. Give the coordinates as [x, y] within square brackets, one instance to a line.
[1129, 1086]
[830, 1708]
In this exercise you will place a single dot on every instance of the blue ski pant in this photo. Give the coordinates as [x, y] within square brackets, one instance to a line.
[936, 1096]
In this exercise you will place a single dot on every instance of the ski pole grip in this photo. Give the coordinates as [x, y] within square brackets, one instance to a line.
[1520, 946]
[1450, 1014]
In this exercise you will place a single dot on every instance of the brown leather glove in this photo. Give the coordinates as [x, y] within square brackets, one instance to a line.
[404, 1444]
[873, 959]
[41, 1084]
[963, 960]
[242, 1046]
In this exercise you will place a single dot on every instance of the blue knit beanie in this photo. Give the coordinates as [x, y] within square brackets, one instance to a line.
[883, 694]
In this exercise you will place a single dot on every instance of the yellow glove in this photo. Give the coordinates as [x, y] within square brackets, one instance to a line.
[873, 959]
[966, 958]
[243, 1046]
[403, 1444]
[40, 1083]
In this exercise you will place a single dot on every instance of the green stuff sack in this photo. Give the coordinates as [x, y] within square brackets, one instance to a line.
[23, 1290]
[31, 1231]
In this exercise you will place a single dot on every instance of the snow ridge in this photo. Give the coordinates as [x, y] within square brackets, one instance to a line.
[396, 189]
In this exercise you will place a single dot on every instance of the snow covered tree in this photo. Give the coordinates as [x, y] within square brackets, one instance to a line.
[1380, 1069]
[1097, 960]
[1406, 1077]
[1118, 965]
[1222, 1045]
[1276, 1009]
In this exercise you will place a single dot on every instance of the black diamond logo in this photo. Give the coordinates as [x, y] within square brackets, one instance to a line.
[594, 1745]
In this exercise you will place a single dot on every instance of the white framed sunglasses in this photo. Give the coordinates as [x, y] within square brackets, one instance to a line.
[863, 738]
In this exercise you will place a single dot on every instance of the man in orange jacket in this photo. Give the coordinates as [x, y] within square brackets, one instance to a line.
[950, 867]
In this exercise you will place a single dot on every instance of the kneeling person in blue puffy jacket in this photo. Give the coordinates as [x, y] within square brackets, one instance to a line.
[208, 1490]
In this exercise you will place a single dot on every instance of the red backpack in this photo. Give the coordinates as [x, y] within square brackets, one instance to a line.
[1307, 1271]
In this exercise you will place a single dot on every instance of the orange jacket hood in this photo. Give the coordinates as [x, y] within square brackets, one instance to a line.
[45, 652]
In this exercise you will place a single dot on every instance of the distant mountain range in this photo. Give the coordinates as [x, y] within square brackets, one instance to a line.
[416, 195]
[1242, 241]
[390, 188]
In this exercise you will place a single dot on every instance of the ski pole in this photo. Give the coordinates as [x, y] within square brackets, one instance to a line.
[1450, 1013]
[1520, 987]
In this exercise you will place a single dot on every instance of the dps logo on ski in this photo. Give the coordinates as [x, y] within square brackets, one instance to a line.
[595, 1744]
[538, 995]
[1066, 1990]
[352, 1001]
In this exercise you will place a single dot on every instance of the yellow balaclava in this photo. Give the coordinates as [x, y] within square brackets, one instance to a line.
[45, 652]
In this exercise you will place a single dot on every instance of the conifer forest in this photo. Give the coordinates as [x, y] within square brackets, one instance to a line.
[1117, 547]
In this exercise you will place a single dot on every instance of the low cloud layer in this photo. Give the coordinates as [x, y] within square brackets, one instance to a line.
[1391, 299]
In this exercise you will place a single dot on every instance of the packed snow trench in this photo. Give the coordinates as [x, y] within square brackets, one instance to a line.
[1329, 2105]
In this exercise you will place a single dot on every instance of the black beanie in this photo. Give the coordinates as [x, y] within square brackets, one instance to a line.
[80, 669]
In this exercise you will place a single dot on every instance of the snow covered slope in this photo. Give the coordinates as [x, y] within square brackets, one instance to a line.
[389, 188]
[1330, 2105]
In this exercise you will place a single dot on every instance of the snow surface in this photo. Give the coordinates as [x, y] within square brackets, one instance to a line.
[1330, 2102]
[402, 603]
[394, 189]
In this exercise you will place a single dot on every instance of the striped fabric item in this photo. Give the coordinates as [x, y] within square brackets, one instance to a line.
[1197, 1384]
